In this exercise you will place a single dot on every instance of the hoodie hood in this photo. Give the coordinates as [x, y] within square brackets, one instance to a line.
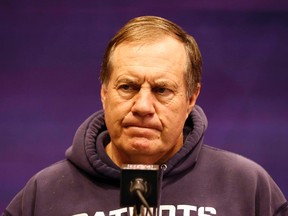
[194, 128]
[88, 149]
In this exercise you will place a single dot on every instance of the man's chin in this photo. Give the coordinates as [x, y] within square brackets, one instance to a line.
[141, 133]
[142, 145]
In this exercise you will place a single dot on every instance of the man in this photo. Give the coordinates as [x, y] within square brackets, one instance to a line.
[151, 75]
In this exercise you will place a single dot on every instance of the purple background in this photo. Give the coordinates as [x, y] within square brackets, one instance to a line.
[50, 59]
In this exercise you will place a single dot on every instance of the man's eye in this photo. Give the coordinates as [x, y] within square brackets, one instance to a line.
[127, 87]
[124, 87]
[162, 90]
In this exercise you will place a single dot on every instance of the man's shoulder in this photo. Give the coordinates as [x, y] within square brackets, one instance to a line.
[231, 162]
[53, 172]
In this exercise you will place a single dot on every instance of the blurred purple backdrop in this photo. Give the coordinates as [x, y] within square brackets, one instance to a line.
[49, 68]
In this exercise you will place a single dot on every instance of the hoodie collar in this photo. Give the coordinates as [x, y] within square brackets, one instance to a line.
[88, 149]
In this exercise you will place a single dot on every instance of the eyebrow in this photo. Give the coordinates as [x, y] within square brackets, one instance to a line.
[154, 83]
[165, 83]
[126, 80]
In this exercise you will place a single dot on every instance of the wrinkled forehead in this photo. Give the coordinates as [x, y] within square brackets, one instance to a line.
[165, 57]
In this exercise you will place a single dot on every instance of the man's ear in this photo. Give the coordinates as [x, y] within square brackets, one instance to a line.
[103, 95]
[192, 100]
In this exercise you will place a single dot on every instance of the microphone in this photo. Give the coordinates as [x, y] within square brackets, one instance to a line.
[139, 186]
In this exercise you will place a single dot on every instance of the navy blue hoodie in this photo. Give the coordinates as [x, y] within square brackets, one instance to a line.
[198, 180]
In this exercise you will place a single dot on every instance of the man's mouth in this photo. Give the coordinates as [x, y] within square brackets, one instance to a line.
[142, 126]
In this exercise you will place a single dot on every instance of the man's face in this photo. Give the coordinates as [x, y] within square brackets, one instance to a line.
[145, 102]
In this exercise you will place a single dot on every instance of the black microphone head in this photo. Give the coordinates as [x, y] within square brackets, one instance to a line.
[144, 178]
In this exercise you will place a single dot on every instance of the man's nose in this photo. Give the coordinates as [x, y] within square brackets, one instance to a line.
[144, 103]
